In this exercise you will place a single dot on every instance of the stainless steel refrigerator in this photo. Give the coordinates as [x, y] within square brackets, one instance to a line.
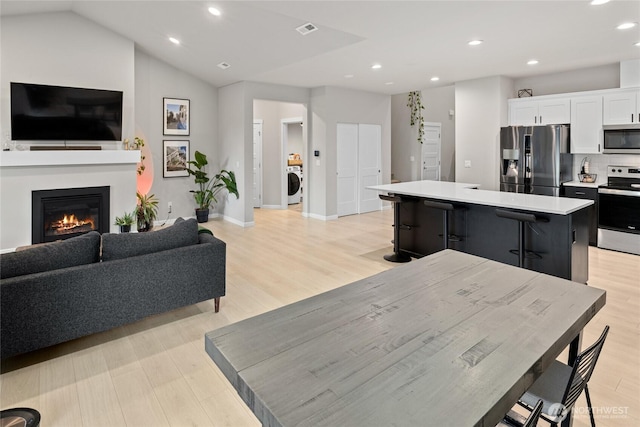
[535, 159]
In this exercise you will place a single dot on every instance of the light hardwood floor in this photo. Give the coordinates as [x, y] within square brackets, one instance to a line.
[156, 372]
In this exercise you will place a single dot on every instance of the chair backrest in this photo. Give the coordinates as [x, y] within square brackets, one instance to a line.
[534, 416]
[582, 370]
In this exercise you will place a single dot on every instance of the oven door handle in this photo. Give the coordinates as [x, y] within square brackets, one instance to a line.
[619, 192]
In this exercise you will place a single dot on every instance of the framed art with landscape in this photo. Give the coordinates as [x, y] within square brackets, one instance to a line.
[176, 116]
[175, 157]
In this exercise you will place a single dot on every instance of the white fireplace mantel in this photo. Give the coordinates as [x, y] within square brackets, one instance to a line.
[22, 172]
[68, 157]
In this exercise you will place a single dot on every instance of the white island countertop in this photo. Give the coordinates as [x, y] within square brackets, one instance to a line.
[468, 193]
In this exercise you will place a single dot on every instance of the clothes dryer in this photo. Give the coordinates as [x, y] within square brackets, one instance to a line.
[294, 178]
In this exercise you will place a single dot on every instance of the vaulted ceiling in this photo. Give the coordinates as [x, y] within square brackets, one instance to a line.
[413, 41]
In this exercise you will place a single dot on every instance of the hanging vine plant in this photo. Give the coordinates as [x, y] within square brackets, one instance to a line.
[415, 104]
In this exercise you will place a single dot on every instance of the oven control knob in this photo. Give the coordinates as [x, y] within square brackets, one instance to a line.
[619, 170]
[613, 170]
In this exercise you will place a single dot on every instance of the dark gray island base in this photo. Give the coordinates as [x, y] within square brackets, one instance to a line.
[558, 244]
[482, 223]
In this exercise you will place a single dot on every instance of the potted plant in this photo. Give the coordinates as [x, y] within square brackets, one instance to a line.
[125, 221]
[208, 188]
[146, 211]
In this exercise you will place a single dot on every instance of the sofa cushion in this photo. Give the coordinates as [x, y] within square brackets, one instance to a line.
[84, 249]
[125, 245]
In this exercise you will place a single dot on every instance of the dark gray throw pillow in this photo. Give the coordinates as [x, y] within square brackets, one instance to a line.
[125, 245]
[80, 250]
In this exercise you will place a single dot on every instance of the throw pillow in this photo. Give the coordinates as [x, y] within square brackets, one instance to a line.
[80, 250]
[125, 245]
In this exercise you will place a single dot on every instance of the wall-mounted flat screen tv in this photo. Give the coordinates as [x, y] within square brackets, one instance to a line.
[57, 113]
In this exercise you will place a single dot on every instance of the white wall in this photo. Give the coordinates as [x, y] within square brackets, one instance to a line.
[404, 141]
[155, 80]
[481, 109]
[331, 106]
[235, 118]
[64, 49]
[438, 103]
[593, 78]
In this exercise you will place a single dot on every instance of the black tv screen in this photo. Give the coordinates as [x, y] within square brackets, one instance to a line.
[57, 113]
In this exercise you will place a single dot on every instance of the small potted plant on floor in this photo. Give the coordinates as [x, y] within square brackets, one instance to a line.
[208, 188]
[146, 211]
[125, 221]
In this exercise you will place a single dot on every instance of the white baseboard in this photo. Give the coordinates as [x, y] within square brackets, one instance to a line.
[320, 217]
[240, 223]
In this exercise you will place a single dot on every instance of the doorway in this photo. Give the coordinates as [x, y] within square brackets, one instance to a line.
[431, 152]
[271, 159]
[293, 173]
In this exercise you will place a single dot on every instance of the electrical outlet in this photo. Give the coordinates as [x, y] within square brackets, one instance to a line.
[467, 163]
[170, 205]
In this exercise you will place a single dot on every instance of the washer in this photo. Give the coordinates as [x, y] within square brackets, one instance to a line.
[294, 178]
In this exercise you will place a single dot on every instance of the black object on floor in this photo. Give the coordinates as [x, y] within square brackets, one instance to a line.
[19, 417]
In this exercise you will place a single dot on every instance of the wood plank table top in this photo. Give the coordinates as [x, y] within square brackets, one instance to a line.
[449, 339]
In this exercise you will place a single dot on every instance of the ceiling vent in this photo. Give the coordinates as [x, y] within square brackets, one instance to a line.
[306, 28]
[224, 65]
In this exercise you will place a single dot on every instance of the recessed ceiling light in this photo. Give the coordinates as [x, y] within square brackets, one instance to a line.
[637, 44]
[475, 42]
[376, 66]
[598, 2]
[348, 76]
[214, 11]
[389, 83]
[627, 25]
[435, 79]
[174, 40]
[224, 65]
[532, 62]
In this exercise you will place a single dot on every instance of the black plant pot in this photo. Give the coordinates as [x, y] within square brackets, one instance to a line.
[202, 215]
[125, 228]
[144, 226]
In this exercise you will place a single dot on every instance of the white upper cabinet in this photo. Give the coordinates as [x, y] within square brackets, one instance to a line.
[525, 112]
[586, 124]
[622, 107]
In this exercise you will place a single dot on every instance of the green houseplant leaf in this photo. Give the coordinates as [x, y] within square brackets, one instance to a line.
[208, 189]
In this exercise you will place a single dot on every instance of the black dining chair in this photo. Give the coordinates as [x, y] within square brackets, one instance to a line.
[514, 419]
[560, 385]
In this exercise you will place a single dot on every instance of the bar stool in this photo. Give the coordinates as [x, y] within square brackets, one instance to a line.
[523, 219]
[446, 208]
[396, 256]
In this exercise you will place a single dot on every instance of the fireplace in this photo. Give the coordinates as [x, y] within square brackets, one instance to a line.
[64, 213]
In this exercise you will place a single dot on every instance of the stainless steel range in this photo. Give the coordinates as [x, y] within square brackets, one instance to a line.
[619, 210]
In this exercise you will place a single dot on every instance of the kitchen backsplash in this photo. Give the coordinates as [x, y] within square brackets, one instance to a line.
[598, 163]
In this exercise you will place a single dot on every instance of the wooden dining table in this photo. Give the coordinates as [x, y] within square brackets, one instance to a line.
[448, 339]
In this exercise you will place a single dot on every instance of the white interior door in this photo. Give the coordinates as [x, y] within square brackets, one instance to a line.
[347, 141]
[369, 166]
[257, 163]
[431, 149]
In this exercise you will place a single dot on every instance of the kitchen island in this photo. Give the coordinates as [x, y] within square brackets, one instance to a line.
[556, 244]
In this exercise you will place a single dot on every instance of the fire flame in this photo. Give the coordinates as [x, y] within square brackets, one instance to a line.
[69, 222]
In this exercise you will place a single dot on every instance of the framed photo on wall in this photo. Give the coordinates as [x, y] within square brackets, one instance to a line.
[176, 116]
[175, 157]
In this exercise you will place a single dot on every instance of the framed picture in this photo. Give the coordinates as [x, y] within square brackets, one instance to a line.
[175, 157]
[176, 116]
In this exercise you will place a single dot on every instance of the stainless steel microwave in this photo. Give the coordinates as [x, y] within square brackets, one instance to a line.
[621, 139]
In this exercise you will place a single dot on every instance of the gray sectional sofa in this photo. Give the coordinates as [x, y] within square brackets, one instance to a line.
[65, 290]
